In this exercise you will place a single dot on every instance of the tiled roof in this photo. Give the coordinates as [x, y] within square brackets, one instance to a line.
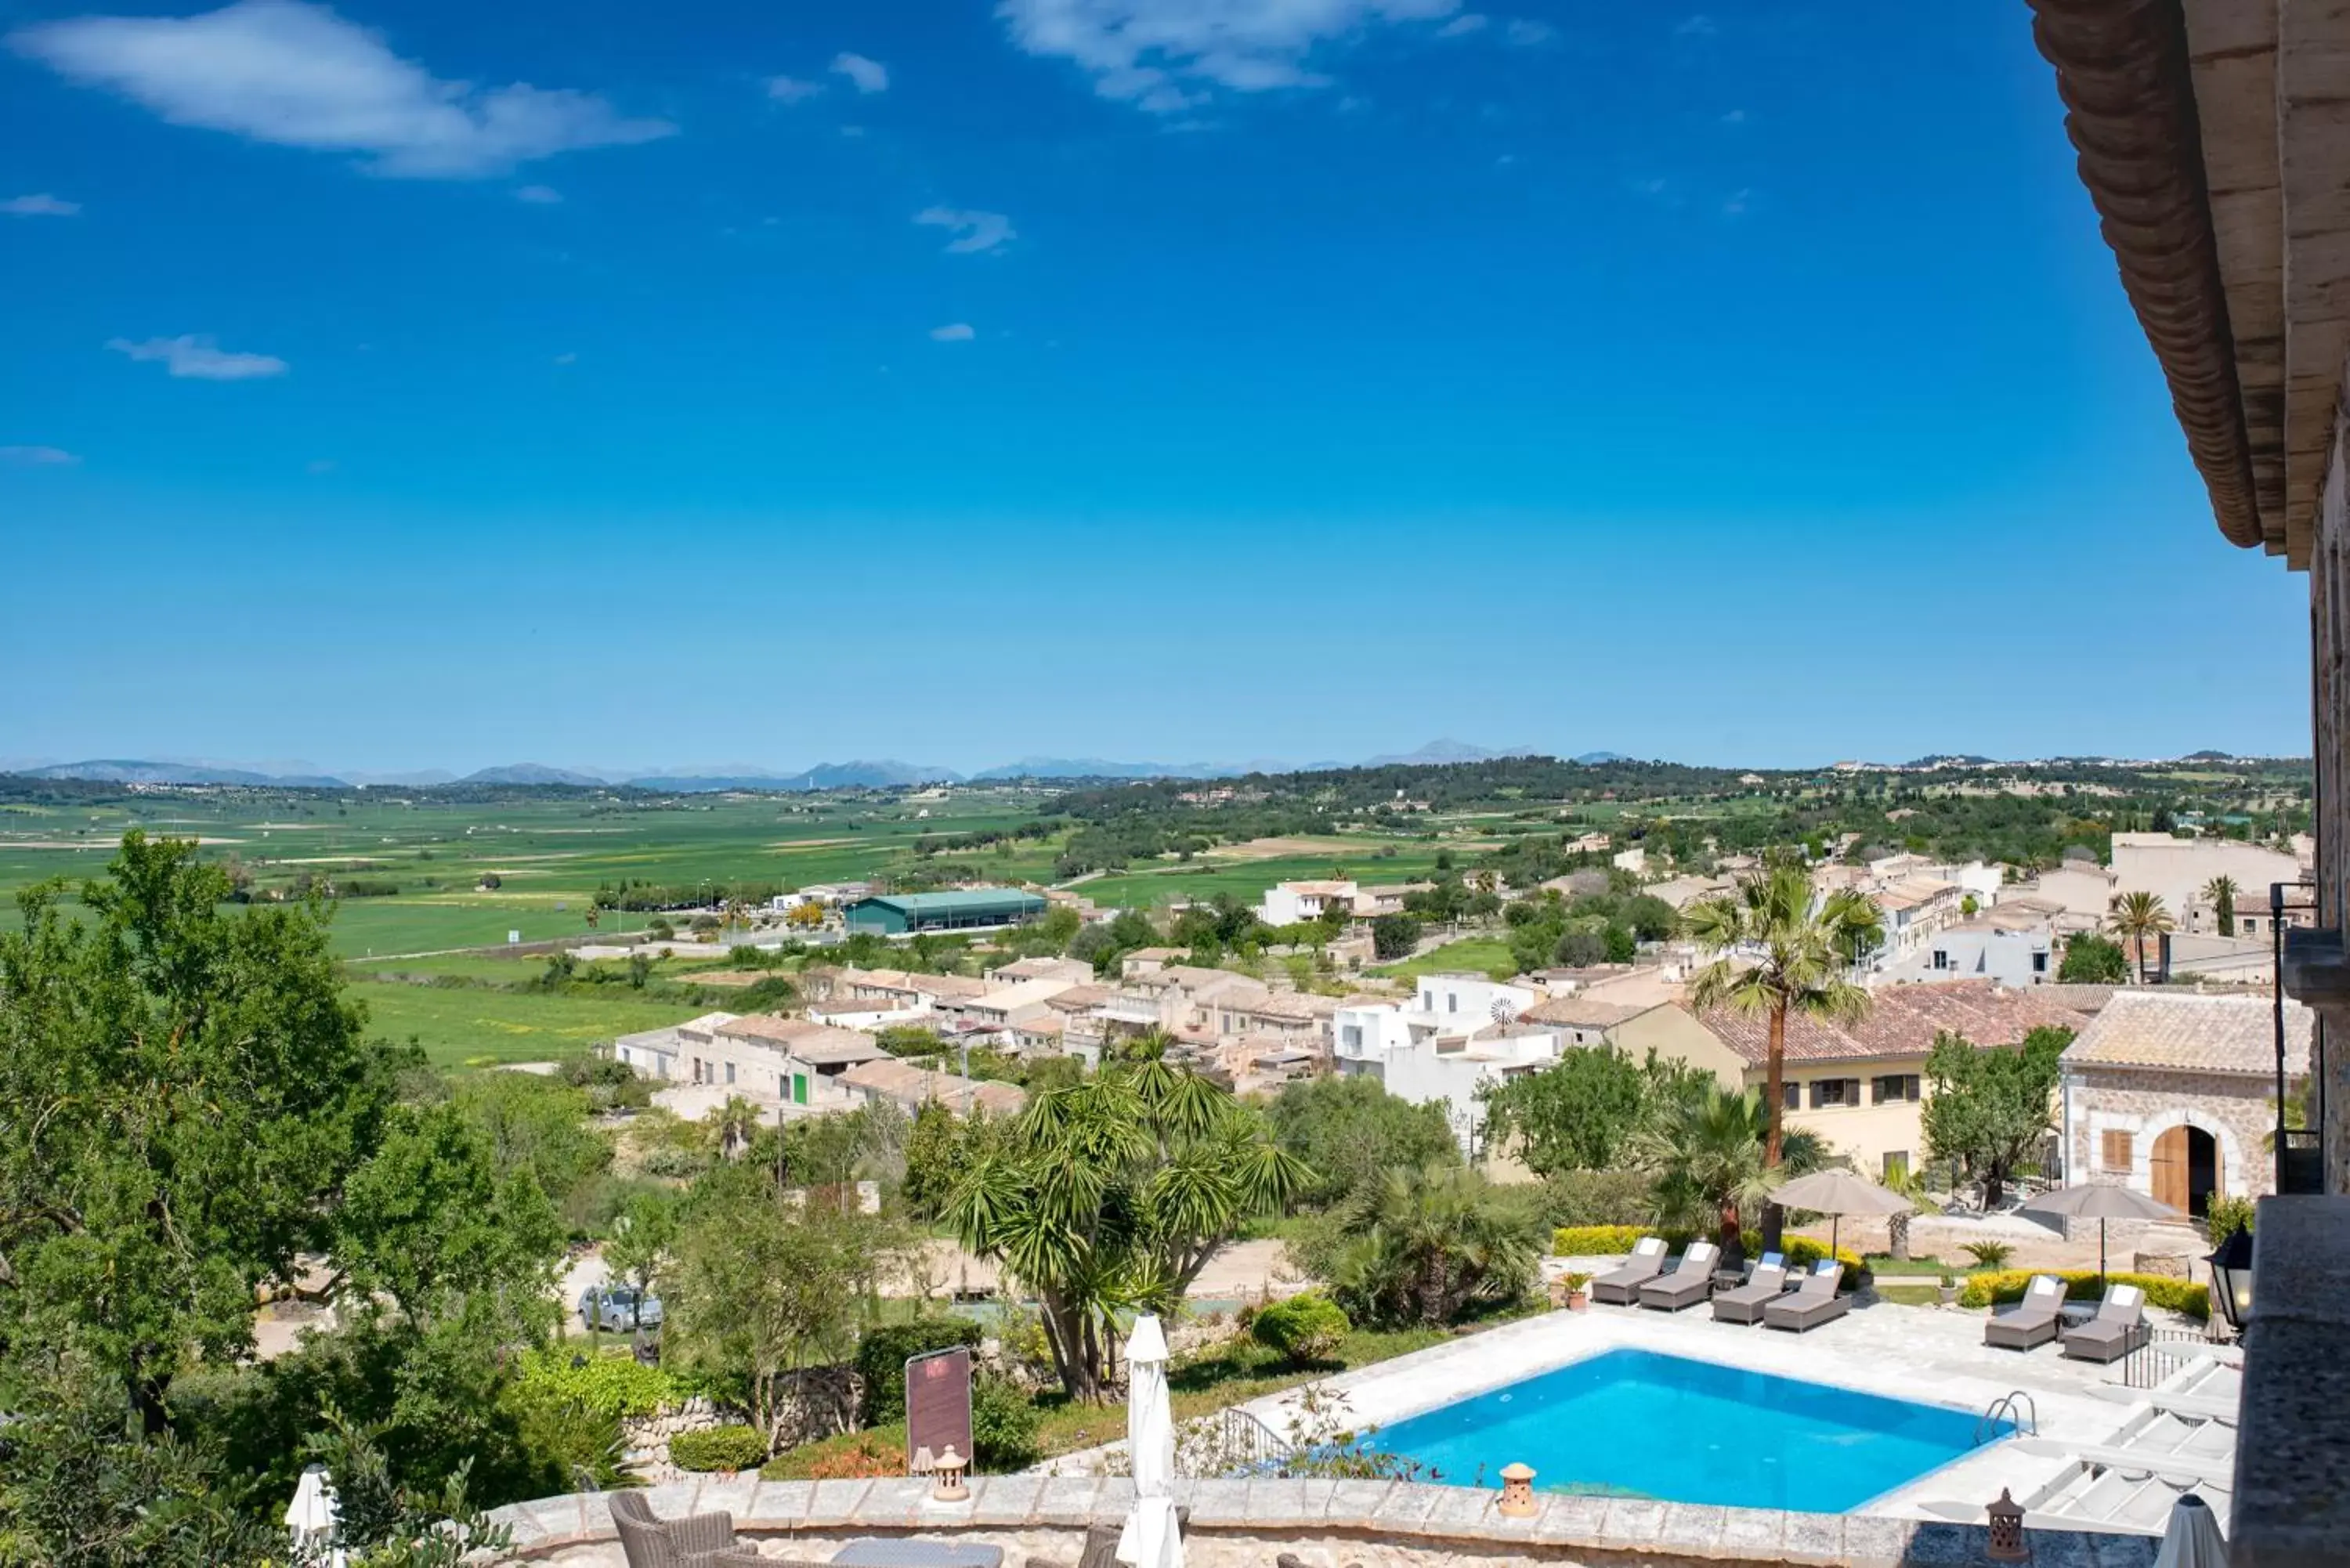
[911, 1085]
[1904, 1020]
[1078, 998]
[2192, 1033]
[770, 1028]
[1580, 1012]
[1288, 1004]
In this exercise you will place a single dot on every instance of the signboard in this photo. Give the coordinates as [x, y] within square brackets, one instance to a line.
[938, 1403]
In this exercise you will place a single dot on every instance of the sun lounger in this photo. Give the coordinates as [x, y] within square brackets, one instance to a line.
[1623, 1287]
[1688, 1282]
[1762, 1287]
[2118, 1328]
[1812, 1303]
[2033, 1321]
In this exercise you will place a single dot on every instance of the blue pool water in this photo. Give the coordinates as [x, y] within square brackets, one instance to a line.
[1634, 1423]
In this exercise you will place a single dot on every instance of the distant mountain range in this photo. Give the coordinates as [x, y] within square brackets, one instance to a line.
[864, 774]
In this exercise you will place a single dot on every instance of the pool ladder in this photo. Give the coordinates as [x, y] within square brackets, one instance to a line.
[2026, 1417]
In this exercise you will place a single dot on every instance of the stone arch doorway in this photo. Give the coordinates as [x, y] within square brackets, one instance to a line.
[2186, 1170]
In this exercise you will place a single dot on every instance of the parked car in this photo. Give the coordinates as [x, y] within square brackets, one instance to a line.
[618, 1309]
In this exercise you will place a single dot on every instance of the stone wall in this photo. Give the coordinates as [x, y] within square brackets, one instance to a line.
[1324, 1523]
[2145, 1103]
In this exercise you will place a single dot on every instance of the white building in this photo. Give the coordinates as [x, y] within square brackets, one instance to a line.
[1460, 1033]
[2012, 947]
[655, 1052]
[2177, 870]
[1288, 903]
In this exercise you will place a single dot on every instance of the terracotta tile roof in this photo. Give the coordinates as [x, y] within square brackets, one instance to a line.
[1078, 998]
[2192, 1033]
[1580, 1012]
[911, 1087]
[768, 1028]
[1288, 1004]
[1904, 1020]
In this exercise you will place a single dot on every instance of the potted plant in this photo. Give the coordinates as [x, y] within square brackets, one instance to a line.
[1577, 1296]
[1949, 1291]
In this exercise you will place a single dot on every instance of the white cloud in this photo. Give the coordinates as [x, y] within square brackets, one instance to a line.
[201, 358]
[37, 457]
[1735, 206]
[566, 358]
[1143, 51]
[539, 195]
[1528, 35]
[300, 76]
[791, 89]
[1735, 117]
[1460, 26]
[974, 231]
[866, 75]
[953, 332]
[1698, 27]
[41, 206]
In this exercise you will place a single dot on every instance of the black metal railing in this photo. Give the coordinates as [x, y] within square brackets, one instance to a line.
[2159, 1356]
[2300, 1151]
[1247, 1445]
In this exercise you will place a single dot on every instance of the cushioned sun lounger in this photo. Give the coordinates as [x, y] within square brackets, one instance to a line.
[2118, 1328]
[1623, 1287]
[1688, 1282]
[1814, 1303]
[1762, 1287]
[2034, 1321]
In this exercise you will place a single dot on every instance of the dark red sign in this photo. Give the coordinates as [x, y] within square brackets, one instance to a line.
[938, 1403]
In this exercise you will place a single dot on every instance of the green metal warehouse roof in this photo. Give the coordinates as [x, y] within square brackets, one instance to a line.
[963, 899]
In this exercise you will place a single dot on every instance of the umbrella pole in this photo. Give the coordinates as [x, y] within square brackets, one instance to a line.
[2101, 1257]
[1836, 1222]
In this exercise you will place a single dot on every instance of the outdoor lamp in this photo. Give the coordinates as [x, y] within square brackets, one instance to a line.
[2232, 1278]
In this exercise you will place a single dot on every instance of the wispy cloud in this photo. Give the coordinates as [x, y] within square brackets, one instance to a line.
[974, 231]
[1698, 27]
[791, 90]
[201, 358]
[1466, 23]
[43, 205]
[1735, 117]
[866, 75]
[1529, 35]
[300, 76]
[953, 332]
[1166, 55]
[37, 457]
[539, 195]
[1734, 206]
[568, 358]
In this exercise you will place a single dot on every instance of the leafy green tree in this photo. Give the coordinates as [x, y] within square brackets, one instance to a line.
[1778, 957]
[2138, 918]
[1349, 1130]
[1303, 1328]
[1988, 1109]
[1710, 1151]
[538, 1126]
[1426, 1246]
[643, 1234]
[2091, 959]
[1574, 1114]
[185, 1092]
[2222, 892]
[1395, 937]
[1112, 1194]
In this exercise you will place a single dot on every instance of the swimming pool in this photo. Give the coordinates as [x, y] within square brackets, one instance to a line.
[1634, 1423]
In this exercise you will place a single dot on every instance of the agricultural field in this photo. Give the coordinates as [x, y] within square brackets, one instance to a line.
[1470, 955]
[477, 1026]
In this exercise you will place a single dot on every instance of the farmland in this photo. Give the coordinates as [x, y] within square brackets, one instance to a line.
[475, 1026]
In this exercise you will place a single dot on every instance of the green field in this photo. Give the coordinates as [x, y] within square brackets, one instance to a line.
[475, 1025]
[1472, 955]
[1380, 860]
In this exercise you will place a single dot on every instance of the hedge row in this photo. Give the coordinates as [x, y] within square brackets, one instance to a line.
[1607, 1241]
[718, 1448]
[2081, 1286]
[882, 1355]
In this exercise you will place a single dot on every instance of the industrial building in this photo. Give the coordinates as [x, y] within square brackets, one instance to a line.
[897, 914]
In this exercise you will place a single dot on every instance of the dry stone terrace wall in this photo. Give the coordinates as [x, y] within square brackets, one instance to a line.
[1325, 1523]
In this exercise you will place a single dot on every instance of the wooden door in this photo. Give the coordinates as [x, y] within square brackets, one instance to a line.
[2170, 1168]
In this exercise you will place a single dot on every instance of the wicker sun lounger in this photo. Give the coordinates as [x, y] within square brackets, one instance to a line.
[2118, 1328]
[1814, 1303]
[1688, 1281]
[1745, 1304]
[2034, 1321]
[1622, 1288]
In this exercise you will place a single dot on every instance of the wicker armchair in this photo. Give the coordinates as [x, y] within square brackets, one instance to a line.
[702, 1540]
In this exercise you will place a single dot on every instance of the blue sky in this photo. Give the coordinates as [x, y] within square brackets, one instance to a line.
[443, 384]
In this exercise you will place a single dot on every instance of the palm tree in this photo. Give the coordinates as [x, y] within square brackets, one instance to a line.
[734, 1125]
[2222, 891]
[2137, 918]
[1427, 1243]
[1794, 961]
[1708, 1152]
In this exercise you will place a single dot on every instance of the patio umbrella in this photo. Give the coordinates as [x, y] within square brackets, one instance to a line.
[2193, 1540]
[1837, 1193]
[1151, 1539]
[312, 1517]
[2101, 1202]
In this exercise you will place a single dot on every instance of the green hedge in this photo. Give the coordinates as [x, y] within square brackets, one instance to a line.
[613, 1385]
[2081, 1286]
[882, 1355]
[1607, 1241]
[718, 1448]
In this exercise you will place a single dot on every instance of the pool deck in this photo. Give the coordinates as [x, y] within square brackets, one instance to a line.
[1921, 1353]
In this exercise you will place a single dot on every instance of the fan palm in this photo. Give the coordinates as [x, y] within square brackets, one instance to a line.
[2221, 891]
[1427, 1243]
[2138, 918]
[1709, 1153]
[1778, 955]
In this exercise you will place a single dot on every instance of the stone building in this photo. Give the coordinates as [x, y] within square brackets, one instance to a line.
[2174, 1093]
